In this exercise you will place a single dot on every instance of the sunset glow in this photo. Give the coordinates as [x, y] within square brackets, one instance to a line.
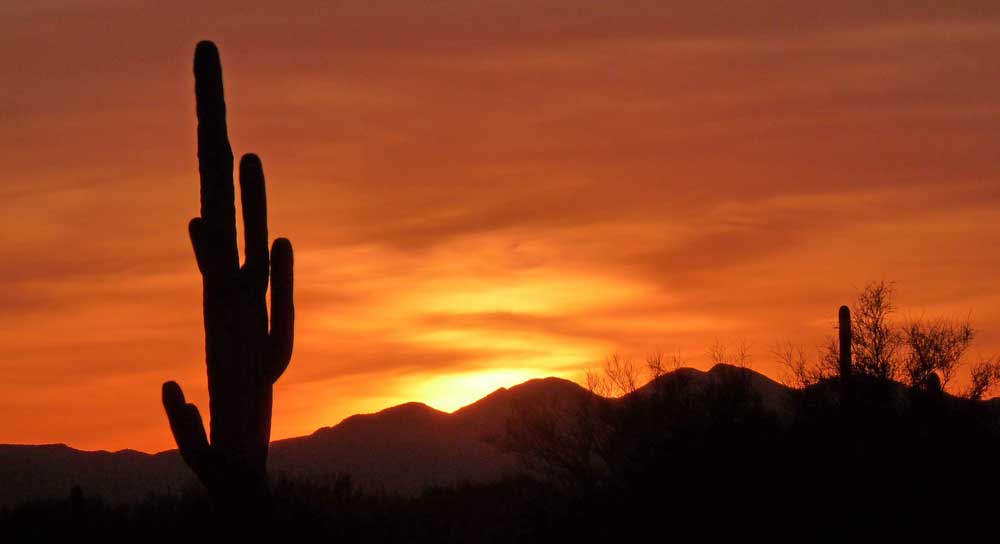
[479, 197]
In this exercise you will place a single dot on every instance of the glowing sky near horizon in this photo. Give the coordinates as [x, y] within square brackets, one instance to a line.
[480, 193]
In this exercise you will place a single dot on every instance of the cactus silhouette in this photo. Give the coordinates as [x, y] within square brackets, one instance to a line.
[845, 342]
[243, 357]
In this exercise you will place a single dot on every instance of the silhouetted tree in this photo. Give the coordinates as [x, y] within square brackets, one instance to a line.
[561, 444]
[571, 444]
[875, 340]
[984, 376]
[935, 349]
[619, 375]
[798, 370]
[884, 351]
[243, 358]
[737, 353]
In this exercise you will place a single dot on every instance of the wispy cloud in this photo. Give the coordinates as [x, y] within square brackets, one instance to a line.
[480, 193]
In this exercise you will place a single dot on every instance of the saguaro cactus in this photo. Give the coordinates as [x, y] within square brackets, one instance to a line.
[845, 342]
[244, 359]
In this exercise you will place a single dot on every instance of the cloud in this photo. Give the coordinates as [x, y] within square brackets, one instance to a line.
[483, 189]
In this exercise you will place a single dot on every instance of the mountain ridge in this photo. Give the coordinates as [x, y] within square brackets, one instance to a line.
[401, 448]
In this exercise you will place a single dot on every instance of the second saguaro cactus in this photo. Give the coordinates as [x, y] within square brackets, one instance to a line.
[244, 357]
[845, 342]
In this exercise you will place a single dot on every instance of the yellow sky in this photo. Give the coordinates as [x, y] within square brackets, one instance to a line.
[482, 193]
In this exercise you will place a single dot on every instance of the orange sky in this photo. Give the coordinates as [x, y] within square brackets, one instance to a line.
[484, 192]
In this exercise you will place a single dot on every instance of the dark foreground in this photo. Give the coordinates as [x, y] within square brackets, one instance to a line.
[722, 457]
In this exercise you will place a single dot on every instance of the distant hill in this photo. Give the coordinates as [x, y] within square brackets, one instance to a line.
[412, 445]
[51, 470]
[775, 397]
[719, 450]
[401, 448]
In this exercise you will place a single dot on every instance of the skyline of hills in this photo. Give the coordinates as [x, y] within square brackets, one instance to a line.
[400, 448]
[438, 448]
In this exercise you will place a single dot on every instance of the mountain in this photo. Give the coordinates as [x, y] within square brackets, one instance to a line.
[402, 448]
[676, 444]
[774, 397]
[51, 470]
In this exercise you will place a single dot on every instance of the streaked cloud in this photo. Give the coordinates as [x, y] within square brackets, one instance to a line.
[479, 193]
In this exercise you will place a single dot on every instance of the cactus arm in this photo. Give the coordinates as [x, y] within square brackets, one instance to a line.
[282, 309]
[188, 430]
[254, 200]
